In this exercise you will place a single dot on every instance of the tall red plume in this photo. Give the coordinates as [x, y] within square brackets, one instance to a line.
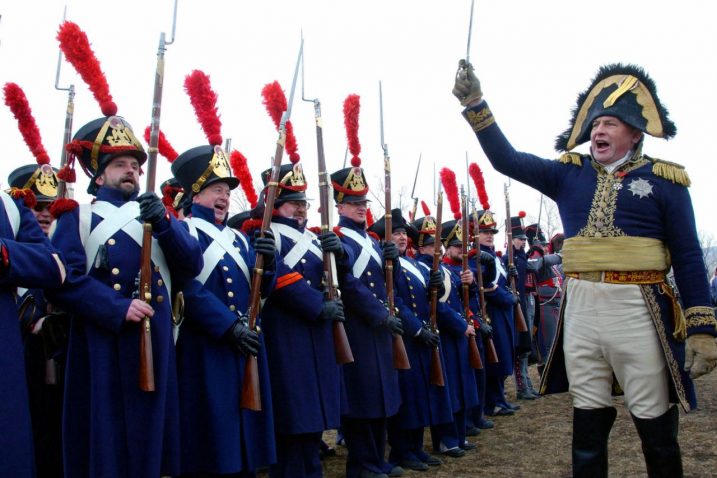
[241, 170]
[369, 218]
[204, 101]
[477, 176]
[164, 147]
[448, 178]
[76, 47]
[275, 102]
[426, 210]
[17, 102]
[352, 106]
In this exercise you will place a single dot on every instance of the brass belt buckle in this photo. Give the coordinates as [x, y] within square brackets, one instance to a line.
[592, 276]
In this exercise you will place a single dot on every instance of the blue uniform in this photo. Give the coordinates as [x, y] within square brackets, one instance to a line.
[30, 263]
[218, 436]
[111, 426]
[371, 382]
[300, 350]
[643, 199]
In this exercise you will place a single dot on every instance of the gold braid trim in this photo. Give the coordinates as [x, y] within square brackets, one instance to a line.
[700, 316]
[671, 171]
[480, 120]
[571, 158]
[624, 253]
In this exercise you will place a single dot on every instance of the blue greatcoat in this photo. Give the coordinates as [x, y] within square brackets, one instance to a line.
[371, 381]
[217, 435]
[111, 426]
[30, 264]
[422, 404]
[639, 199]
[300, 348]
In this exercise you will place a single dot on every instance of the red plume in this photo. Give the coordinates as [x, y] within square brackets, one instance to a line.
[369, 218]
[352, 105]
[275, 102]
[477, 175]
[18, 104]
[164, 147]
[426, 210]
[241, 170]
[76, 47]
[448, 178]
[204, 101]
[521, 213]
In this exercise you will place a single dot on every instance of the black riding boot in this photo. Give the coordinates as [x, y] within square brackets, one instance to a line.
[659, 444]
[591, 429]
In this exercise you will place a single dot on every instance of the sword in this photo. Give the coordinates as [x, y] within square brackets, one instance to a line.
[470, 31]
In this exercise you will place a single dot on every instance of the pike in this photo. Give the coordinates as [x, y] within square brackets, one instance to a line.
[412, 216]
[62, 191]
[520, 324]
[436, 370]
[342, 348]
[400, 358]
[146, 356]
[473, 352]
[251, 393]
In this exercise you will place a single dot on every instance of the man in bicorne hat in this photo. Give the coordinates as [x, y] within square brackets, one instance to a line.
[218, 436]
[110, 426]
[628, 218]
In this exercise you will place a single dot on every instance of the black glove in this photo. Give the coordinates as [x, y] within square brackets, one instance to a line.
[330, 242]
[243, 338]
[332, 310]
[390, 251]
[485, 329]
[393, 324]
[266, 247]
[436, 280]
[151, 209]
[54, 332]
[486, 258]
[512, 271]
[427, 337]
[516, 299]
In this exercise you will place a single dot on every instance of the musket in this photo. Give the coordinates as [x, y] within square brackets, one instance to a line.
[436, 370]
[62, 191]
[473, 352]
[400, 358]
[251, 393]
[412, 216]
[488, 344]
[342, 348]
[146, 355]
[520, 324]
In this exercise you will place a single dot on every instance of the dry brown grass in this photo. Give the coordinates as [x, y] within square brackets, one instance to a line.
[535, 442]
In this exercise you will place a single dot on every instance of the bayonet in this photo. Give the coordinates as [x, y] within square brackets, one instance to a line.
[413, 191]
[62, 190]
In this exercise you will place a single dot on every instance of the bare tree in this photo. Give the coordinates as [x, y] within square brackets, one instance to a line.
[709, 250]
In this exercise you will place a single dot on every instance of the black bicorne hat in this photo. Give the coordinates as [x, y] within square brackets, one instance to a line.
[535, 234]
[40, 179]
[423, 231]
[516, 227]
[292, 183]
[199, 167]
[100, 141]
[623, 91]
[452, 233]
[397, 222]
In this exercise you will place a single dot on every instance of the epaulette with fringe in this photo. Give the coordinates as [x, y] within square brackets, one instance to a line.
[315, 229]
[251, 225]
[26, 195]
[337, 231]
[671, 171]
[62, 205]
[571, 158]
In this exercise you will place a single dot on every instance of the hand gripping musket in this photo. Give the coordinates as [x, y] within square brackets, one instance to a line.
[520, 324]
[436, 374]
[400, 358]
[251, 393]
[62, 191]
[412, 215]
[342, 348]
[473, 352]
[146, 356]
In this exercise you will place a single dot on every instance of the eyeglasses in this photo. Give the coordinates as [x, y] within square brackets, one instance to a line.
[300, 204]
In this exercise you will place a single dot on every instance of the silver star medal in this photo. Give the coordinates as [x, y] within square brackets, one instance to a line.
[640, 188]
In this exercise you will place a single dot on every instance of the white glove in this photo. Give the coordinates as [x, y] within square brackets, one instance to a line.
[467, 86]
[700, 355]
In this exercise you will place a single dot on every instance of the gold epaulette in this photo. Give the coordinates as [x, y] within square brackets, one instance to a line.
[571, 158]
[671, 171]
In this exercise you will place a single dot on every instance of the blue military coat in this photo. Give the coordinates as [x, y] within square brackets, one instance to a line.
[113, 427]
[300, 347]
[422, 404]
[30, 264]
[218, 436]
[371, 382]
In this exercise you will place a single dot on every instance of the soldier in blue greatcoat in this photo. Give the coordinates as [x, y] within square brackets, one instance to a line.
[628, 218]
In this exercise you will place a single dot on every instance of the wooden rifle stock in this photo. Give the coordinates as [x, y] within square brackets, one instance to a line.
[488, 344]
[473, 352]
[436, 374]
[342, 348]
[146, 357]
[518, 317]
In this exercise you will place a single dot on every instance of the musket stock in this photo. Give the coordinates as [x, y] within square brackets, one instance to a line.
[520, 323]
[488, 344]
[473, 352]
[146, 358]
[436, 371]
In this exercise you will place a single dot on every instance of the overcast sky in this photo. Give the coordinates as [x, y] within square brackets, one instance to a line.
[533, 58]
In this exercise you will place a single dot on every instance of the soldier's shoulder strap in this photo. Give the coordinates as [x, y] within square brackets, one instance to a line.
[671, 171]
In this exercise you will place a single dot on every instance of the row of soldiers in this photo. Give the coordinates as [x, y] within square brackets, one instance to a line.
[192, 424]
